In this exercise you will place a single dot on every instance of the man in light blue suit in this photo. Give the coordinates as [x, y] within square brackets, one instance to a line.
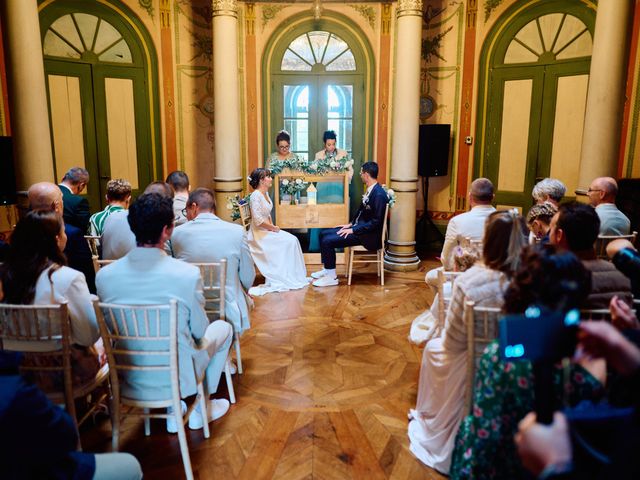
[207, 238]
[147, 276]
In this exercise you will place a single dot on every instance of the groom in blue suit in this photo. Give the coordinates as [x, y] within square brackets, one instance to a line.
[365, 230]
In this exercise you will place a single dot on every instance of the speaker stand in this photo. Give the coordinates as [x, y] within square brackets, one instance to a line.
[427, 234]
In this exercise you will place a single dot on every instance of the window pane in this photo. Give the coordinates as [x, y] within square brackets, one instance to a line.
[343, 129]
[56, 47]
[293, 62]
[318, 42]
[340, 98]
[107, 35]
[336, 46]
[343, 63]
[299, 130]
[118, 53]
[296, 101]
[67, 30]
[87, 25]
[301, 46]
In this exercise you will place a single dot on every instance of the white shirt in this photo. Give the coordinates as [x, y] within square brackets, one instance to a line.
[365, 196]
[469, 224]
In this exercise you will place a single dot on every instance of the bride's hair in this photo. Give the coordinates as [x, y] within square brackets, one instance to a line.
[257, 175]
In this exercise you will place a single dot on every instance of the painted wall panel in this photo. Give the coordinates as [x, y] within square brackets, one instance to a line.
[567, 133]
[66, 122]
[123, 156]
[516, 108]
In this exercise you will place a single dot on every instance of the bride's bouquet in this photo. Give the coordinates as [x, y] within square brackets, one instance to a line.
[329, 164]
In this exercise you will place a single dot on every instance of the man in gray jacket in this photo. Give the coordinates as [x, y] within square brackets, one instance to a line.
[207, 238]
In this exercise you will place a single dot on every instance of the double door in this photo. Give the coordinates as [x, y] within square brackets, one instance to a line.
[534, 125]
[98, 121]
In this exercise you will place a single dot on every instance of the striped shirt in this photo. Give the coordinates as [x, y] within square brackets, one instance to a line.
[96, 222]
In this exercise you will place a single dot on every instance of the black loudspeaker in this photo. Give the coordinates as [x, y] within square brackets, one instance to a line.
[8, 177]
[433, 150]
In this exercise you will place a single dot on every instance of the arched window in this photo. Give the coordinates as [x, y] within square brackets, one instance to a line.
[322, 50]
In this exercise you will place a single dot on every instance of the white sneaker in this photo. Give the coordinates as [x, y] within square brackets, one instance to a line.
[319, 273]
[172, 425]
[217, 409]
[326, 281]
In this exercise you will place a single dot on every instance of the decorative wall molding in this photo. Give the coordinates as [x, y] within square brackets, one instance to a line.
[225, 8]
[165, 14]
[368, 12]
[250, 18]
[386, 18]
[409, 8]
[148, 6]
[489, 7]
[269, 12]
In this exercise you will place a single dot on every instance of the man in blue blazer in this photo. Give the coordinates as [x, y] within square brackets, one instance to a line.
[76, 207]
[147, 276]
[365, 230]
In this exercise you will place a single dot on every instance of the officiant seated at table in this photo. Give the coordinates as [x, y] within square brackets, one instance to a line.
[365, 230]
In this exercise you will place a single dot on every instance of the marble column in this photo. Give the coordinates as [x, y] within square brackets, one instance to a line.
[27, 93]
[605, 96]
[226, 97]
[401, 253]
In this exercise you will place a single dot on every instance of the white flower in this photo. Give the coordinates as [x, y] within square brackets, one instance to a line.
[298, 181]
[391, 193]
[313, 166]
[333, 164]
[349, 163]
[285, 182]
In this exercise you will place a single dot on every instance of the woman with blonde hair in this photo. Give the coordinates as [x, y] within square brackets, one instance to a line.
[440, 403]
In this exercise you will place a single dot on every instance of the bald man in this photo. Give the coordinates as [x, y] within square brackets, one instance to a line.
[602, 195]
[47, 196]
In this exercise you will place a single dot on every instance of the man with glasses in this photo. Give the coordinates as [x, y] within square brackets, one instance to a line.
[602, 195]
[180, 184]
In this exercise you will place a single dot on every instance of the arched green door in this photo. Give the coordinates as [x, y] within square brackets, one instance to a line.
[537, 77]
[100, 106]
[317, 84]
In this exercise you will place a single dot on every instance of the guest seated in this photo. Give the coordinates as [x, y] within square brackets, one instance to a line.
[147, 276]
[47, 196]
[429, 324]
[440, 402]
[602, 195]
[118, 197]
[466, 225]
[626, 259]
[40, 440]
[549, 190]
[76, 207]
[554, 452]
[539, 221]
[35, 273]
[207, 238]
[117, 237]
[503, 392]
[575, 228]
[179, 182]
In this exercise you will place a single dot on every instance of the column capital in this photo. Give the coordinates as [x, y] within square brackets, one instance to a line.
[409, 8]
[224, 8]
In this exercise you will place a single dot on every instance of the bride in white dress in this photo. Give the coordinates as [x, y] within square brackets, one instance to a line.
[276, 253]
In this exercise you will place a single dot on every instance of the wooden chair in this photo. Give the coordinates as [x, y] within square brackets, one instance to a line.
[214, 279]
[132, 333]
[94, 243]
[482, 328]
[443, 301]
[43, 334]
[604, 240]
[367, 256]
[98, 264]
[245, 215]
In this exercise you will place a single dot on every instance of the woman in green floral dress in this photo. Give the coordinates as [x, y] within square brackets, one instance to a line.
[503, 391]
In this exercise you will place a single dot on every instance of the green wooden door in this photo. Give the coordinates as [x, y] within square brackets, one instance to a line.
[536, 86]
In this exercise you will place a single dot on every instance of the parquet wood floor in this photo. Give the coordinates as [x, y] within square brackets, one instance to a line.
[329, 378]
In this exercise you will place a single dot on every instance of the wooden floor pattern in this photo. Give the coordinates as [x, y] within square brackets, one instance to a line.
[329, 378]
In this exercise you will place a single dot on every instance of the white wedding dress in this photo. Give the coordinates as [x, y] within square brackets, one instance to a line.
[277, 254]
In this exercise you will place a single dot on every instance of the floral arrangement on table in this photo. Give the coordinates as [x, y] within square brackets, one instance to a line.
[315, 167]
[292, 186]
[233, 204]
[391, 195]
